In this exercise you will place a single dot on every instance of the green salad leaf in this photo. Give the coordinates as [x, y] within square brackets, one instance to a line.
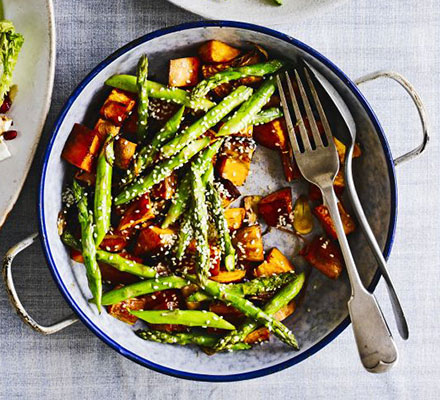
[10, 45]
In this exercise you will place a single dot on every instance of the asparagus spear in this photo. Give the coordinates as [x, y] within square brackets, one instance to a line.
[158, 91]
[248, 110]
[184, 317]
[221, 225]
[88, 247]
[249, 309]
[180, 199]
[211, 118]
[283, 297]
[115, 260]
[268, 115]
[146, 156]
[185, 235]
[233, 74]
[253, 287]
[200, 226]
[142, 89]
[144, 287]
[185, 338]
[160, 172]
[103, 191]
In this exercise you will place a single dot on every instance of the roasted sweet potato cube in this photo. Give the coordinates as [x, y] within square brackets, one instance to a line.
[229, 276]
[184, 72]
[249, 243]
[165, 189]
[285, 311]
[228, 192]
[235, 217]
[130, 124]
[258, 335]
[215, 51]
[154, 240]
[113, 242]
[229, 313]
[341, 149]
[76, 256]
[81, 147]
[188, 263]
[138, 212]
[105, 129]
[276, 208]
[124, 152]
[250, 204]
[325, 256]
[275, 263]
[120, 310]
[323, 216]
[118, 106]
[272, 135]
[232, 169]
[339, 183]
[239, 148]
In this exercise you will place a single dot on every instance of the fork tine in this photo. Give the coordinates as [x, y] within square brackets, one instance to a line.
[314, 128]
[298, 116]
[289, 124]
[322, 116]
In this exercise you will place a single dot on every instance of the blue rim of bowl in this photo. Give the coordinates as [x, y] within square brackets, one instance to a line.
[45, 243]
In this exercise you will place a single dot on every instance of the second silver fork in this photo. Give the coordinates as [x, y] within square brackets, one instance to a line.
[318, 162]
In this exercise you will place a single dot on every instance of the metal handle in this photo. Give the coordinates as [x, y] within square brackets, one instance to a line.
[375, 344]
[13, 297]
[395, 76]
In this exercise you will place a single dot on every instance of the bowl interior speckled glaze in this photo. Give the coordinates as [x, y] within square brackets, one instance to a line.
[323, 314]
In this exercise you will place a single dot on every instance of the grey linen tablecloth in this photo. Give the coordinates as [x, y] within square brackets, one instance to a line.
[360, 36]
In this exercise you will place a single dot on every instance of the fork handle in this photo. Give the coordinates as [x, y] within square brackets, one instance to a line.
[376, 346]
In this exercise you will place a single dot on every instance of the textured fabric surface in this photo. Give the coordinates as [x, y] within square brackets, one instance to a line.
[360, 36]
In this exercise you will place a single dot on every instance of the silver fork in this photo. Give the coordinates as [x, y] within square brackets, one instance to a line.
[319, 164]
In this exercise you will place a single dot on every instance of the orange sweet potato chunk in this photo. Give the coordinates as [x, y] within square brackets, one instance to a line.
[323, 216]
[229, 276]
[138, 212]
[215, 51]
[184, 72]
[118, 106]
[165, 189]
[249, 243]
[154, 240]
[275, 263]
[276, 208]
[124, 152]
[232, 169]
[235, 217]
[325, 256]
[272, 135]
[82, 147]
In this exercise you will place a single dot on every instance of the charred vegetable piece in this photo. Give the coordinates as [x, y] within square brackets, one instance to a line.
[113, 242]
[161, 171]
[116, 277]
[234, 170]
[249, 109]
[248, 242]
[233, 74]
[103, 191]
[228, 192]
[184, 317]
[281, 298]
[235, 217]
[118, 106]
[341, 149]
[142, 91]
[272, 135]
[323, 215]
[275, 263]
[325, 256]
[159, 91]
[82, 147]
[215, 51]
[251, 207]
[184, 72]
[276, 208]
[88, 244]
[286, 311]
[185, 338]
[122, 310]
[259, 335]
[155, 240]
[229, 276]
[124, 152]
[140, 211]
[89, 178]
[105, 128]
[302, 216]
[239, 148]
[183, 192]
[210, 119]
[165, 189]
[143, 287]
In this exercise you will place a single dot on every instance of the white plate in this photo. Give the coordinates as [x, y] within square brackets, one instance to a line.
[264, 12]
[34, 76]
